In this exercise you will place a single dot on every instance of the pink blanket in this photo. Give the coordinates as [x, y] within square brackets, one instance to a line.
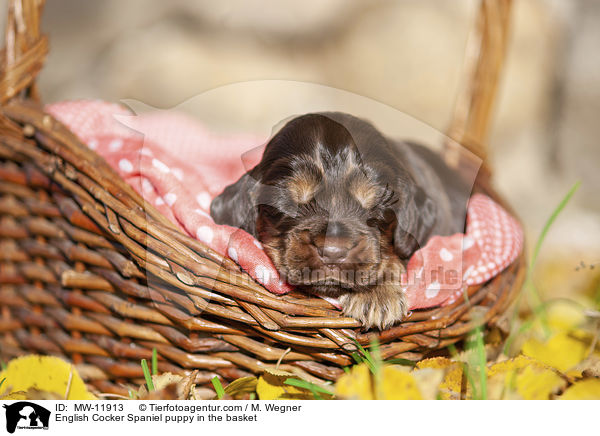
[179, 166]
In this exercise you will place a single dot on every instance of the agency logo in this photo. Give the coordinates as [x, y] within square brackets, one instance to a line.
[26, 415]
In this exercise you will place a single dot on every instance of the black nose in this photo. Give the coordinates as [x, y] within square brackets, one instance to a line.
[334, 251]
[335, 244]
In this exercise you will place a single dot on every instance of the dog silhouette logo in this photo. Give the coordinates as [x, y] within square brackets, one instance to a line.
[26, 415]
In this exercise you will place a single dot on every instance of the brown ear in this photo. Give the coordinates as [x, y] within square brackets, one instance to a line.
[416, 219]
[235, 206]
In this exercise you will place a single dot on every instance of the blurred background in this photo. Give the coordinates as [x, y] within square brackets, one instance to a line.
[407, 54]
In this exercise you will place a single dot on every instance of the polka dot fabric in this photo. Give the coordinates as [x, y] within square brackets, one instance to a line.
[179, 166]
[442, 269]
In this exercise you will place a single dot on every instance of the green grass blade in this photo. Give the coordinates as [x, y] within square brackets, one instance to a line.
[218, 387]
[453, 350]
[2, 382]
[357, 358]
[366, 357]
[549, 222]
[313, 388]
[480, 361]
[371, 357]
[526, 326]
[375, 355]
[538, 305]
[400, 361]
[529, 285]
[147, 376]
[154, 362]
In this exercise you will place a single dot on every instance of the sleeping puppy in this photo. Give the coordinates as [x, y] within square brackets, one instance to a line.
[339, 208]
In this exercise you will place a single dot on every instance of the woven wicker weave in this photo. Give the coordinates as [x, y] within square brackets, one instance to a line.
[92, 273]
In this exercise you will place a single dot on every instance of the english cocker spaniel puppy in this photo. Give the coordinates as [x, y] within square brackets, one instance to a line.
[339, 207]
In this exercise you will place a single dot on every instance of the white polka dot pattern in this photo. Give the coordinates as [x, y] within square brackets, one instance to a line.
[125, 166]
[171, 198]
[232, 253]
[432, 290]
[159, 165]
[445, 255]
[203, 200]
[263, 274]
[205, 234]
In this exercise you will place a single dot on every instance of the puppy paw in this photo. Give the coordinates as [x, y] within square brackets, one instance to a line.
[379, 307]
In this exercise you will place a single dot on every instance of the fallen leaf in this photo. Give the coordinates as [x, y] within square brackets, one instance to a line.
[199, 393]
[19, 395]
[563, 315]
[523, 378]
[429, 381]
[392, 383]
[451, 386]
[588, 389]
[167, 386]
[355, 385]
[561, 351]
[241, 386]
[36, 394]
[271, 386]
[591, 367]
[397, 384]
[513, 364]
[45, 373]
[534, 383]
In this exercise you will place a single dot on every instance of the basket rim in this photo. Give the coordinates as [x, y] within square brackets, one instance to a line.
[123, 214]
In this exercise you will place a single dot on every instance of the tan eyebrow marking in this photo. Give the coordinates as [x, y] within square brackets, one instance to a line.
[350, 163]
[303, 186]
[363, 190]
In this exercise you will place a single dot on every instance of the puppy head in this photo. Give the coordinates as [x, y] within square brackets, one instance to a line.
[330, 202]
[325, 206]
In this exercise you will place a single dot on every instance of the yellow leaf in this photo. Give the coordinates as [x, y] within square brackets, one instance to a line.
[523, 378]
[355, 385]
[271, 386]
[436, 363]
[35, 394]
[513, 364]
[538, 384]
[561, 351]
[395, 383]
[588, 389]
[450, 387]
[398, 385]
[563, 315]
[45, 373]
[20, 395]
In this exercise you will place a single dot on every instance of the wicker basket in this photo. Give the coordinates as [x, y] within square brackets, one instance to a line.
[92, 273]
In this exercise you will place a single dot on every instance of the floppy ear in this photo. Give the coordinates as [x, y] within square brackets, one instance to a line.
[235, 206]
[416, 219]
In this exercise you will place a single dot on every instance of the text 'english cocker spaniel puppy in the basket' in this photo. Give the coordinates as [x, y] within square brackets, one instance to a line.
[340, 208]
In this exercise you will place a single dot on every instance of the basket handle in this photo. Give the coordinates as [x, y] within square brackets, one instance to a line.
[24, 52]
[486, 50]
[26, 49]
